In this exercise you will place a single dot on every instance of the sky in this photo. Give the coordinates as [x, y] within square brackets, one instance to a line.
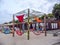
[10, 7]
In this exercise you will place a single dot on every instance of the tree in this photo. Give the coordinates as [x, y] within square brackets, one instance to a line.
[50, 15]
[42, 17]
[56, 11]
[16, 21]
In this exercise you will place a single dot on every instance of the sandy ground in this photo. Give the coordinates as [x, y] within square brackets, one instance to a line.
[7, 39]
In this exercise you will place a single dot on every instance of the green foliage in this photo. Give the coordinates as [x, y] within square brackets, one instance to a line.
[42, 17]
[56, 11]
[50, 15]
[16, 21]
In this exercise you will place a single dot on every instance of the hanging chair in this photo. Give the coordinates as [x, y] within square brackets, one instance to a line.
[18, 32]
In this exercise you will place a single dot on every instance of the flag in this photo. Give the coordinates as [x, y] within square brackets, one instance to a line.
[20, 18]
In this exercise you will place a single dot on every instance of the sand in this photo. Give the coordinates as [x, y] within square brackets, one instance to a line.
[7, 39]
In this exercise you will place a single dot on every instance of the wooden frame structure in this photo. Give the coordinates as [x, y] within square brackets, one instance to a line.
[28, 32]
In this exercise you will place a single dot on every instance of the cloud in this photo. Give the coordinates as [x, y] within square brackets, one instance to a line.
[9, 7]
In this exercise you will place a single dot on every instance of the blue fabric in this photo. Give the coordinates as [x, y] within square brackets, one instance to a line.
[40, 29]
[6, 31]
[23, 27]
[37, 28]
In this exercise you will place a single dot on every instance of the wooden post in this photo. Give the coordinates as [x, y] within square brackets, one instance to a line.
[13, 25]
[20, 26]
[28, 25]
[45, 25]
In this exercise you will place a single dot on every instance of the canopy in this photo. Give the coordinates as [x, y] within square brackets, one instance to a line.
[32, 14]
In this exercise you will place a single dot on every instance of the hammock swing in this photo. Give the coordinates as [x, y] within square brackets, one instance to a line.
[20, 32]
[6, 31]
[37, 30]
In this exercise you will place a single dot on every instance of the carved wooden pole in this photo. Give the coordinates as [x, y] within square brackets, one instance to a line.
[45, 25]
[28, 25]
[13, 25]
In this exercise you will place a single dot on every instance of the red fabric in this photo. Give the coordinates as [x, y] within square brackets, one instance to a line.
[19, 33]
[20, 18]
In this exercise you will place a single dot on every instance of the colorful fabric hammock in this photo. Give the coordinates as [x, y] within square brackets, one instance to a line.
[37, 32]
[6, 31]
[18, 32]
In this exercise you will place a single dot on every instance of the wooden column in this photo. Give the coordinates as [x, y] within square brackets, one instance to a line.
[28, 25]
[13, 25]
[20, 26]
[45, 25]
